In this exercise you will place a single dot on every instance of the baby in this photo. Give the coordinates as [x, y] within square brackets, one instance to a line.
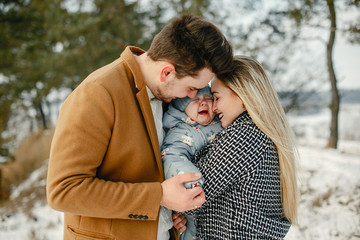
[190, 124]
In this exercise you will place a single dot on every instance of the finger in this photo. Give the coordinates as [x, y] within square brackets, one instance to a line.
[182, 229]
[180, 225]
[199, 197]
[197, 192]
[188, 177]
[180, 219]
[175, 215]
[178, 216]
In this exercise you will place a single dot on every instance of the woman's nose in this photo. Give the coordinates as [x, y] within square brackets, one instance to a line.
[214, 107]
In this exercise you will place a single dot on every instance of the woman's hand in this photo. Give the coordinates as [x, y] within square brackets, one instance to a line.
[179, 221]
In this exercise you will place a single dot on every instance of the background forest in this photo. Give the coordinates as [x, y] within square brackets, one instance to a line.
[48, 47]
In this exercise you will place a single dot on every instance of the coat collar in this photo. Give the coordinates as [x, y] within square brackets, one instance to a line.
[128, 56]
[143, 99]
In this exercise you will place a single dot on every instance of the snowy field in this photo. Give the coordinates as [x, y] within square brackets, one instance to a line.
[329, 182]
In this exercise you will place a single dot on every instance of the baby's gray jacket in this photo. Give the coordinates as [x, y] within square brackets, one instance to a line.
[184, 137]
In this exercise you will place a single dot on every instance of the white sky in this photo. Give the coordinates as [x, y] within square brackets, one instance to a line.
[347, 56]
[347, 64]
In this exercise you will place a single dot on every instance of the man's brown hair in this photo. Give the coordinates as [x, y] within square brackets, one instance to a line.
[191, 43]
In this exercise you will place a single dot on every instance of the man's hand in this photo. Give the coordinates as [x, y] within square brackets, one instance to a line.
[179, 221]
[176, 197]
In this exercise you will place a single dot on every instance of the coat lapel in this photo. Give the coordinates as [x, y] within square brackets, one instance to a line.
[145, 107]
[144, 103]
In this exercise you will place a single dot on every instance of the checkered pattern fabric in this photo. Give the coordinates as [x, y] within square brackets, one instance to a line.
[242, 185]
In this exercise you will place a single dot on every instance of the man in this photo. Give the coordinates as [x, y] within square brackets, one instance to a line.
[105, 171]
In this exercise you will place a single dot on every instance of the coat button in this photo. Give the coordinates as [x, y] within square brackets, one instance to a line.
[145, 217]
[131, 216]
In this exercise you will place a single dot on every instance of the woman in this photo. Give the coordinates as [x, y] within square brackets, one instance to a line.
[249, 169]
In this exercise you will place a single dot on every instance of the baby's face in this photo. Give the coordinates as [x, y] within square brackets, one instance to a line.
[200, 109]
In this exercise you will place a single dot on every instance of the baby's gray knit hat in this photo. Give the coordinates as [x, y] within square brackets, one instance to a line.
[181, 103]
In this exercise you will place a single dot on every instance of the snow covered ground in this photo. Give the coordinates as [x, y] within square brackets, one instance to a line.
[329, 181]
[330, 196]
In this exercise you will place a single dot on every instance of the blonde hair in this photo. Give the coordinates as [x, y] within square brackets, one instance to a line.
[251, 83]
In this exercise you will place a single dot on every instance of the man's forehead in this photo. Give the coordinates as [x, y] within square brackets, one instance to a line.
[213, 78]
[206, 73]
[207, 83]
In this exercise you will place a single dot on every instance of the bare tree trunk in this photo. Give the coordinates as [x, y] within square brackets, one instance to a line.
[1, 188]
[41, 115]
[335, 99]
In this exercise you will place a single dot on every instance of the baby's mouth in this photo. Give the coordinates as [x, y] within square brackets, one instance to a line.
[204, 112]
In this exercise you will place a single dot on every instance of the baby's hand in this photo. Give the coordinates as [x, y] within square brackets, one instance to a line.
[190, 185]
[179, 221]
[197, 183]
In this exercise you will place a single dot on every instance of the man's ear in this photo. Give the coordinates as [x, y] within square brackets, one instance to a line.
[166, 71]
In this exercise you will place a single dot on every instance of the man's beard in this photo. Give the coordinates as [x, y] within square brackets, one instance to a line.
[160, 93]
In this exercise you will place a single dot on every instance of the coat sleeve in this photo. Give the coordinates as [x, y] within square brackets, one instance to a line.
[177, 151]
[79, 145]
